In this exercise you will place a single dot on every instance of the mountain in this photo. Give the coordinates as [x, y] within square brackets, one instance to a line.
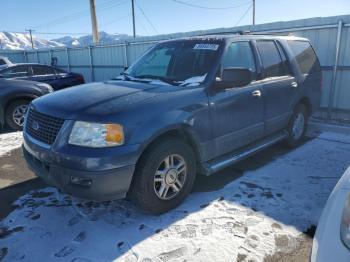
[21, 41]
[86, 40]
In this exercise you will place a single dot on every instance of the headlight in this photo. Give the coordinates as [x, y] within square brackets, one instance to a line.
[47, 86]
[345, 223]
[96, 135]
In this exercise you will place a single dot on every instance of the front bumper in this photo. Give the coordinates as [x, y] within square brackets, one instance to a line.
[91, 175]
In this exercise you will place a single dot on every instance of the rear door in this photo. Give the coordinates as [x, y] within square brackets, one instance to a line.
[237, 112]
[44, 74]
[280, 86]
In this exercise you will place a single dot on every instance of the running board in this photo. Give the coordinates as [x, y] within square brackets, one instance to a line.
[213, 166]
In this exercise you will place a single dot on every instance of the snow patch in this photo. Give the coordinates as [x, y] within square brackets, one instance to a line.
[256, 215]
[9, 142]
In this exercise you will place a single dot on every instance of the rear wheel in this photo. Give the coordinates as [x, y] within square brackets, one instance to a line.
[15, 114]
[297, 126]
[164, 175]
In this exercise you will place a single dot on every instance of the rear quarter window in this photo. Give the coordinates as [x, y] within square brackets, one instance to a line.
[305, 56]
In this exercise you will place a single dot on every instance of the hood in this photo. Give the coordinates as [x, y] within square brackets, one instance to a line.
[15, 83]
[95, 101]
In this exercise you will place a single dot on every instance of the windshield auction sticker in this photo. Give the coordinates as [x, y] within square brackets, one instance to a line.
[206, 46]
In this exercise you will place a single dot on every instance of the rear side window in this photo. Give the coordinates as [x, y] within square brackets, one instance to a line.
[271, 59]
[305, 56]
[16, 71]
[239, 54]
[43, 70]
[2, 62]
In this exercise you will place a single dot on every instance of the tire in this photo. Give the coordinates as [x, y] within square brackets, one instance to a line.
[146, 188]
[15, 112]
[297, 126]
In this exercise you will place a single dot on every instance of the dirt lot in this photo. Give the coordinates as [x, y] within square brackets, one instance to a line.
[262, 209]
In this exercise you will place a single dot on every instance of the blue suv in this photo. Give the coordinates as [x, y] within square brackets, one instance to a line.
[187, 106]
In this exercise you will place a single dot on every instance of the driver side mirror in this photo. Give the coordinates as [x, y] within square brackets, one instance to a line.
[234, 77]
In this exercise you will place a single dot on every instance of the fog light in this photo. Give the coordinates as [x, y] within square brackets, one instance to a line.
[82, 181]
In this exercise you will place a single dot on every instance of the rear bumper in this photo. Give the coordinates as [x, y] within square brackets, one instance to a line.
[90, 185]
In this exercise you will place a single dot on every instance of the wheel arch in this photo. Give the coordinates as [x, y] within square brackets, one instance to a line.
[307, 103]
[181, 132]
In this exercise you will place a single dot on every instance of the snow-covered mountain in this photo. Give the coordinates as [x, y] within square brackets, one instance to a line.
[105, 38]
[21, 41]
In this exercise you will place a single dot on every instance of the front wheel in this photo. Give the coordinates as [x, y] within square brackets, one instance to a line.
[164, 175]
[15, 114]
[297, 126]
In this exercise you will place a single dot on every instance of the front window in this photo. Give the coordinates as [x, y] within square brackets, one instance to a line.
[177, 63]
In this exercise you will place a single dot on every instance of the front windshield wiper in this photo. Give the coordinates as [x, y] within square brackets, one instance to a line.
[163, 79]
[128, 77]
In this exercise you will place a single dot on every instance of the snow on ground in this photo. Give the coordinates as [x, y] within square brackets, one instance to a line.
[9, 142]
[263, 212]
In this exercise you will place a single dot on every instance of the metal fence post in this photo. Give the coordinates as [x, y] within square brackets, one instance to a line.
[37, 56]
[50, 55]
[126, 63]
[91, 65]
[68, 62]
[335, 68]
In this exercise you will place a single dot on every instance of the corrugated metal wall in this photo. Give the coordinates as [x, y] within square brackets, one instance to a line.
[99, 63]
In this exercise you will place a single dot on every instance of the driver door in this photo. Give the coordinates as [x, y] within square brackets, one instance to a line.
[237, 112]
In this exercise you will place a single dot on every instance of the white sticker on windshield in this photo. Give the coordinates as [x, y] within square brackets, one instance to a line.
[206, 46]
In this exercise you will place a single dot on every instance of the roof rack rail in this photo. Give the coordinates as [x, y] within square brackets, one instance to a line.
[241, 32]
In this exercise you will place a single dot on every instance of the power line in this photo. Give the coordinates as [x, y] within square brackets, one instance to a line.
[116, 20]
[148, 20]
[209, 8]
[82, 13]
[143, 27]
[244, 14]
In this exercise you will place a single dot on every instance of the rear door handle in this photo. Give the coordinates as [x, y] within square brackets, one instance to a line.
[256, 93]
[294, 84]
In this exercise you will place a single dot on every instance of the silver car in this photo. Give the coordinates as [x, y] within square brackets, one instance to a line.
[332, 238]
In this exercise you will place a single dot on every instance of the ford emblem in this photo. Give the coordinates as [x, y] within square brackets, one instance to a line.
[35, 125]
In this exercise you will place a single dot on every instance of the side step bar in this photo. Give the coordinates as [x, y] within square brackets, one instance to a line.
[215, 165]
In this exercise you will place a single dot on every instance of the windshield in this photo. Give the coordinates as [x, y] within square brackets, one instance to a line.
[177, 63]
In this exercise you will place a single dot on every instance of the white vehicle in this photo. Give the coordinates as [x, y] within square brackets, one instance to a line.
[4, 62]
[332, 238]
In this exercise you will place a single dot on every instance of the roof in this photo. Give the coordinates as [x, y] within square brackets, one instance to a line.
[236, 36]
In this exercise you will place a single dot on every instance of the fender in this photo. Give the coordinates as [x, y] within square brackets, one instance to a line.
[176, 120]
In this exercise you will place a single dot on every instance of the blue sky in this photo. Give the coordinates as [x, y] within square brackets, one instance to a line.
[165, 16]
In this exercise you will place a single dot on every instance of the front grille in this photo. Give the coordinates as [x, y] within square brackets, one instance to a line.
[43, 127]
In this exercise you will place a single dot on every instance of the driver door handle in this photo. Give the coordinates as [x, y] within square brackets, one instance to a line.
[256, 93]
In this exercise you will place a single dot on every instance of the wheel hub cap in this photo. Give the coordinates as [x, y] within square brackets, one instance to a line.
[298, 126]
[19, 114]
[170, 177]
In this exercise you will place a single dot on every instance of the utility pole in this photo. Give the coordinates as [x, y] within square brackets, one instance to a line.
[31, 37]
[94, 21]
[253, 12]
[133, 18]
